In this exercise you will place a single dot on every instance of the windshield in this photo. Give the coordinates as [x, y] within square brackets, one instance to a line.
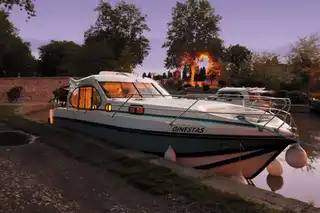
[129, 89]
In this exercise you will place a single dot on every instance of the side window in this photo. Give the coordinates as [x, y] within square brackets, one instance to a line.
[129, 90]
[113, 89]
[75, 98]
[85, 98]
[96, 98]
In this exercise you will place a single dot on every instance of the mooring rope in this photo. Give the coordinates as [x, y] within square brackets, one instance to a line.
[242, 118]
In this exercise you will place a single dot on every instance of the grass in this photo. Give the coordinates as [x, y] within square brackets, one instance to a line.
[145, 176]
[7, 111]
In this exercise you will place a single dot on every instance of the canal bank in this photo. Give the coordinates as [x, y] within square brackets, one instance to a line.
[157, 176]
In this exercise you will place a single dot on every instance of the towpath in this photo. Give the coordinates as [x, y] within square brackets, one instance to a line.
[37, 178]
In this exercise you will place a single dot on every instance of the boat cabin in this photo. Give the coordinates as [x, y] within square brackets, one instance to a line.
[88, 93]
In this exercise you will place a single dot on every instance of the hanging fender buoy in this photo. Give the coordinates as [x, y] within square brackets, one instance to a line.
[275, 168]
[170, 154]
[296, 157]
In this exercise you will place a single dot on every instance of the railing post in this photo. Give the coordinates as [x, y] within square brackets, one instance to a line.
[121, 106]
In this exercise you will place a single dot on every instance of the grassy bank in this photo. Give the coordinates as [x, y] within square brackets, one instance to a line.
[143, 175]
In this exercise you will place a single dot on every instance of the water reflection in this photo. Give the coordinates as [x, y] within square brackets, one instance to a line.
[275, 183]
[302, 183]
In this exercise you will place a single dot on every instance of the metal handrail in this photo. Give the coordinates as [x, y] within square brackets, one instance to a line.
[122, 106]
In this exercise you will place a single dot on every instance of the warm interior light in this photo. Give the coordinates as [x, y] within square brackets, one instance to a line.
[108, 107]
[51, 116]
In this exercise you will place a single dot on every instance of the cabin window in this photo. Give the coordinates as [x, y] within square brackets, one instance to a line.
[86, 98]
[96, 98]
[75, 98]
[147, 90]
[128, 89]
[113, 89]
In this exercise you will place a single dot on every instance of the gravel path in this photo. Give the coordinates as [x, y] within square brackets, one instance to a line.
[37, 178]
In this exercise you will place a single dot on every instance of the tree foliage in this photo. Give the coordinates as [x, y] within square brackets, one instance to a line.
[305, 53]
[193, 28]
[121, 29]
[237, 60]
[26, 5]
[15, 54]
[57, 57]
[265, 58]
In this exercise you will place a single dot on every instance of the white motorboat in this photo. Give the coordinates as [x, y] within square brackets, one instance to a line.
[253, 96]
[138, 113]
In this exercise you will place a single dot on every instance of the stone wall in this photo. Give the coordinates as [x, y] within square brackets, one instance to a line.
[36, 90]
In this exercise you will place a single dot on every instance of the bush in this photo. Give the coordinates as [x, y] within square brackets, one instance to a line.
[297, 97]
[14, 94]
[61, 94]
[281, 94]
[206, 87]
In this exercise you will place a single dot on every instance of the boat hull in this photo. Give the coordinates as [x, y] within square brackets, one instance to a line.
[223, 153]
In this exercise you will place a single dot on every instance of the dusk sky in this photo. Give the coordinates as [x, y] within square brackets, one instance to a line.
[260, 25]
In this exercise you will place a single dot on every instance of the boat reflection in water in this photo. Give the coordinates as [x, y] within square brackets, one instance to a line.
[305, 181]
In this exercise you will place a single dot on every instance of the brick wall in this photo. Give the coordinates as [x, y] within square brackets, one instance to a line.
[34, 89]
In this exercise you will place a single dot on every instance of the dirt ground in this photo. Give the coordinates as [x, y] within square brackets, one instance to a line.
[37, 178]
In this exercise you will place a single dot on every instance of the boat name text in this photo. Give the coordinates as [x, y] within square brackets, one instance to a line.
[187, 129]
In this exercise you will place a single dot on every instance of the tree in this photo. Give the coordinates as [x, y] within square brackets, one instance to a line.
[15, 54]
[305, 53]
[193, 29]
[93, 58]
[26, 5]
[144, 75]
[57, 58]
[238, 60]
[121, 29]
[157, 77]
[149, 75]
[265, 58]
[267, 70]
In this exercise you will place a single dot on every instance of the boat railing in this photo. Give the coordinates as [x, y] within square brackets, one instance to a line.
[274, 106]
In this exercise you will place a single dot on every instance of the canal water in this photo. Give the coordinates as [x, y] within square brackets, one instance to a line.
[302, 184]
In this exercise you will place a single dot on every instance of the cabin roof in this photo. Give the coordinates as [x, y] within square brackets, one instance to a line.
[241, 89]
[112, 76]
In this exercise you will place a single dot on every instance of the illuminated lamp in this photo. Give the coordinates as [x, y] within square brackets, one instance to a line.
[108, 108]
